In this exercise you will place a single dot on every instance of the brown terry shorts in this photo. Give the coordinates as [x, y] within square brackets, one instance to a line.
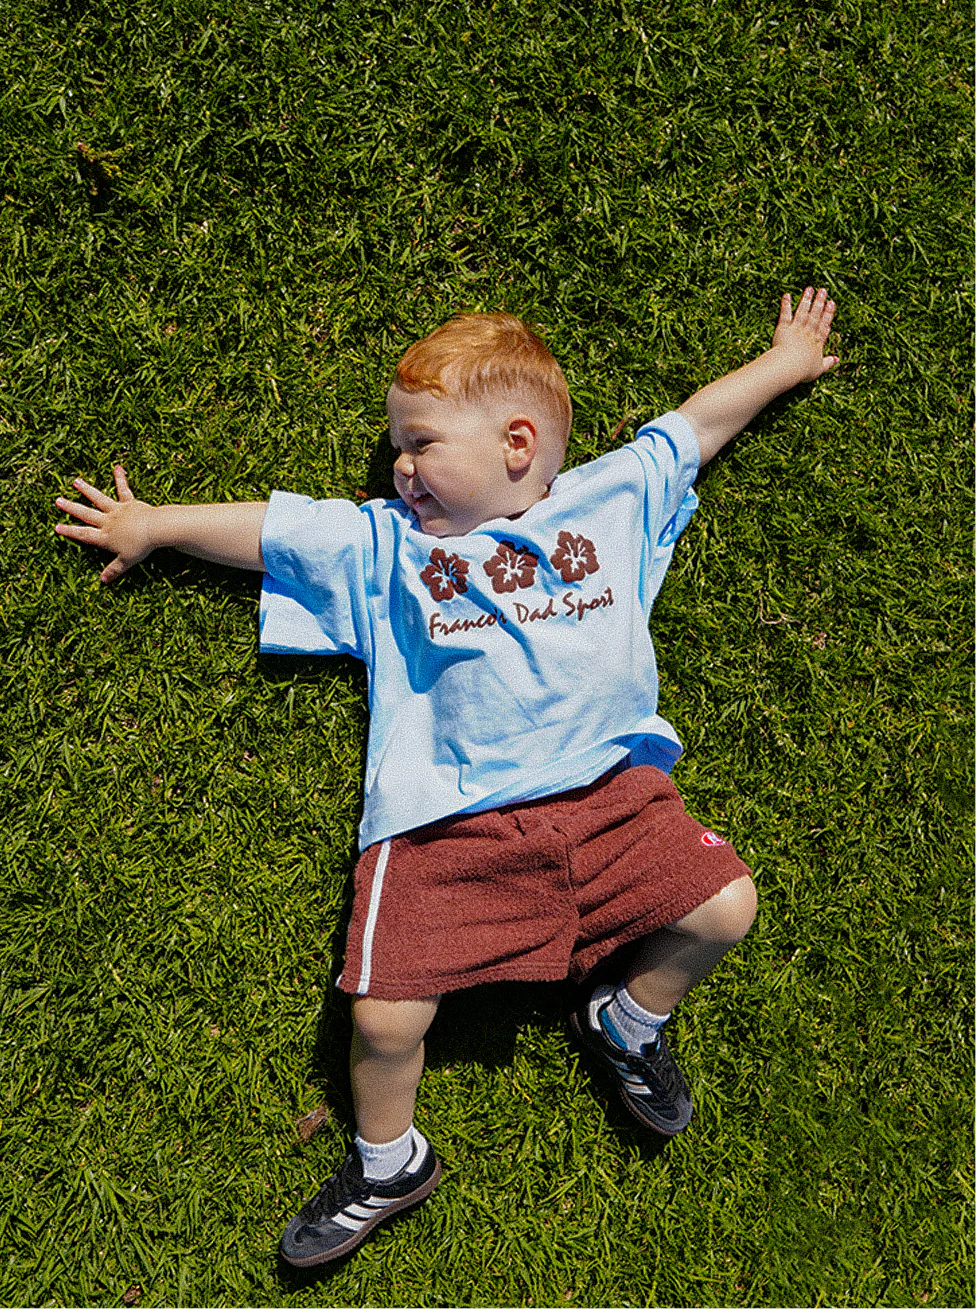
[529, 892]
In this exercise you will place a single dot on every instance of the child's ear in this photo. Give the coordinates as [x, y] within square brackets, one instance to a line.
[521, 444]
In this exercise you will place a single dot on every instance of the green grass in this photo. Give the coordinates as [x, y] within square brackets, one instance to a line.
[269, 202]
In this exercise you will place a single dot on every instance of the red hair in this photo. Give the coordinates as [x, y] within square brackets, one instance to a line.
[475, 355]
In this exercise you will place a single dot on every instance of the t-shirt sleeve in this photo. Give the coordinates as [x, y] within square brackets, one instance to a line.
[668, 450]
[319, 562]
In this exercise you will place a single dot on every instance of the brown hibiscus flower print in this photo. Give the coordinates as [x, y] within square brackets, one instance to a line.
[509, 567]
[574, 558]
[446, 575]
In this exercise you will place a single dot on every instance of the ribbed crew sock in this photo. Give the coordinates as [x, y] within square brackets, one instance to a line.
[381, 1162]
[630, 1025]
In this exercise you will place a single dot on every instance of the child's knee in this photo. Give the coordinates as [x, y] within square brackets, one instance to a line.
[735, 909]
[392, 1027]
[726, 917]
[747, 902]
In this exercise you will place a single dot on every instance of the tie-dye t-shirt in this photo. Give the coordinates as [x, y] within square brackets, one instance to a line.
[510, 663]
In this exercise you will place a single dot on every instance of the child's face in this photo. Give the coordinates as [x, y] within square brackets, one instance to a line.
[458, 463]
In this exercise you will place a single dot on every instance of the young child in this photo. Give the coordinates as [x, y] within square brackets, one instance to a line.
[519, 819]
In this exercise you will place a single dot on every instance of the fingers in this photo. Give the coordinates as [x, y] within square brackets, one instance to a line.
[785, 311]
[826, 318]
[122, 484]
[93, 536]
[86, 535]
[822, 313]
[815, 310]
[98, 498]
[806, 307]
[115, 569]
[83, 512]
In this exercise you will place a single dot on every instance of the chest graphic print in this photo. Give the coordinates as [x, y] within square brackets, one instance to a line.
[446, 575]
[509, 567]
[574, 558]
[512, 568]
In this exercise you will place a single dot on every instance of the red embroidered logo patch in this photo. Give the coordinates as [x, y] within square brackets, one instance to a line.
[709, 838]
[510, 567]
[575, 557]
[446, 575]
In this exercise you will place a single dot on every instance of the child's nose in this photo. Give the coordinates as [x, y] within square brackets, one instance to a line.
[403, 464]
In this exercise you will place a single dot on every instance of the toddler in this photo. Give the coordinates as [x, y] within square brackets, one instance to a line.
[519, 820]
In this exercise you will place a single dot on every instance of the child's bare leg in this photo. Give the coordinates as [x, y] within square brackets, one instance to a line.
[669, 962]
[386, 1062]
[625, 1023]
[391, 1166]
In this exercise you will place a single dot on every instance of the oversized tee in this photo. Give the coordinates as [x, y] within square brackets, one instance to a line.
[507, 664]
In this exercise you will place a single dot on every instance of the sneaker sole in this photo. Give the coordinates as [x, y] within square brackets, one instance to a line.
[595, 1047]
[371, 1224]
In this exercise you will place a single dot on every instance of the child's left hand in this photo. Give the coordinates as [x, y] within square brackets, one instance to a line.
[801, 336]
[724, 407]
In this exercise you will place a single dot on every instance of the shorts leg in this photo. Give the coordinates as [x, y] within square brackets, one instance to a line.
[648, 865]
[483, 898]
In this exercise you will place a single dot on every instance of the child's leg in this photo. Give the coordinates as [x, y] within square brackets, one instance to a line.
[669, 962]
[386, 1062]
[624, 1024]
[391, 1167]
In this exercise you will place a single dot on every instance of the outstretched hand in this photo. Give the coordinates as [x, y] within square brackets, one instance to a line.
[723, 408]
[803, 334]
[120, 526]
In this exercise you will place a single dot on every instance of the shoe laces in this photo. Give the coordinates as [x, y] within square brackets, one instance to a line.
[655, 1061]
[345, 1184]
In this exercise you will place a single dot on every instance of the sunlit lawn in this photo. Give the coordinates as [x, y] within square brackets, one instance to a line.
[222, 225]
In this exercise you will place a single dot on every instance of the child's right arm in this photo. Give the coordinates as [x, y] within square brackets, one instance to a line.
[130, 529]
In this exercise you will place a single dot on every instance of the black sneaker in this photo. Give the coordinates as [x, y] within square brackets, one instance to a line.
[651, 1084]
[349, 1207]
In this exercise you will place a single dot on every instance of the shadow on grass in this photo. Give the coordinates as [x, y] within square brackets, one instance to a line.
[479, 1025]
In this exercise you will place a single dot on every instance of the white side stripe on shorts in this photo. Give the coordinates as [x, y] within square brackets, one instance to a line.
[375, 891]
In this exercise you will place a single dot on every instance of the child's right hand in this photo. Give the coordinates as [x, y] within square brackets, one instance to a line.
[121, 526]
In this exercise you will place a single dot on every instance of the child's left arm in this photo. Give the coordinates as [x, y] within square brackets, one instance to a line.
[723, 408]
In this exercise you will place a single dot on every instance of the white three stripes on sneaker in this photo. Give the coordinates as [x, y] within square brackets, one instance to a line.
[356, 1215]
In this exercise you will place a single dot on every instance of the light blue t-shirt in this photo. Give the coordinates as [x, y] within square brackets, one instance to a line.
[510, 663]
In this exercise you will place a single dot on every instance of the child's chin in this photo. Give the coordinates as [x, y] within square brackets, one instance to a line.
[432, 524]
[432, 521]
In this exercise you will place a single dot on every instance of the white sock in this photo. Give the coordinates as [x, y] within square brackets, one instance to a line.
[381, 1162]
[628, 1023]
